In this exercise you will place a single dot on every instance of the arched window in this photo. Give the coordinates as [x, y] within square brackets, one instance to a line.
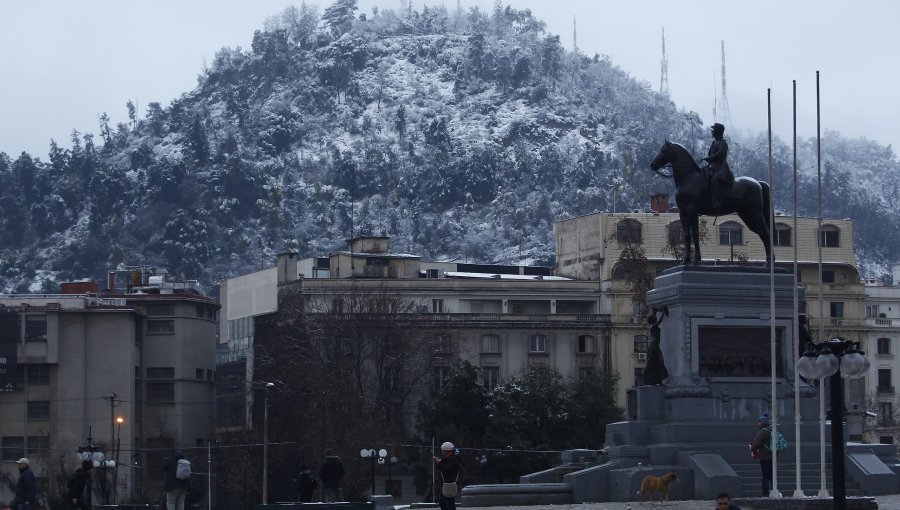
[830, 236]
[628, 231]
[490, 343]
[731, 233]
[782, 235]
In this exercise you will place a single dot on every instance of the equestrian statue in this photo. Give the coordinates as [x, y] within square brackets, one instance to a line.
[714, 192]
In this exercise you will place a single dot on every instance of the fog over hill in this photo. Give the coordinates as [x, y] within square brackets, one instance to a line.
[463, 137]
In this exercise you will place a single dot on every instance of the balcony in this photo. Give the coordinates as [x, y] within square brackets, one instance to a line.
[880, 322]
[812, 289]
[885, 390]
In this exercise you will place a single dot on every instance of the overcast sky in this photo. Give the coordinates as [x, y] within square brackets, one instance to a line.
[64, 62]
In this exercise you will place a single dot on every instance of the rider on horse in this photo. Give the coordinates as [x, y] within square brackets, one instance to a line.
[718, 174]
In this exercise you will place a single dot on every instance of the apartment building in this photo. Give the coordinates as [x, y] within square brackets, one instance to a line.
[127, 371]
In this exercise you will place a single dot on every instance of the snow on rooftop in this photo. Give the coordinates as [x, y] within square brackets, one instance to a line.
[462, 274]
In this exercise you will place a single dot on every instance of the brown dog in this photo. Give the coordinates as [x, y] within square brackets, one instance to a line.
[660, 484]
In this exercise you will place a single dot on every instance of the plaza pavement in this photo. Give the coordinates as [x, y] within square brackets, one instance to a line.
[885, 502]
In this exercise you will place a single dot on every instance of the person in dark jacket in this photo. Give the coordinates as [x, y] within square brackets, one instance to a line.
[723, 502]
[449, 465]
[761, 444]
[26, 489]
[79, 496]
[331, 473]
[306, 484]
[176, 490]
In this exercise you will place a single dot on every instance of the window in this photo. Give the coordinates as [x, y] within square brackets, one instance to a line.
[209, 313]
[13, 447]
[437, 306]
[490, 377]
[585, 372]
[200, 312]
[490, 343]
[628, 231]
[884, 381]
[538, 343]
[637, 308]
[782, 235]
[886, 439]
[209, 375]
[158, 327]
[675, 234]
[827, 276]
[476, 307]
[39, 374]
[442, 344]
[731, 233]
[38, 410]
[585, 344]
[640, 343]
[35, 328]
[871, 311]
[161, 310]
[886, 412]
[160, 372]
[441, 376]
[884, 346]
[198, 374]
[638, 376]
[829, 236]
[837, 309]
[37, 445]
[160, 392]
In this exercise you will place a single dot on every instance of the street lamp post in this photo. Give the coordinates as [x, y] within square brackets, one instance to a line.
[836, 358]
[119, 422]
[265, 491]
[374, 456]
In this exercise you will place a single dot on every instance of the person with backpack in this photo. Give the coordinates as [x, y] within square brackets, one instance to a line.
[762, 445]
[178, 478]
[79, 487]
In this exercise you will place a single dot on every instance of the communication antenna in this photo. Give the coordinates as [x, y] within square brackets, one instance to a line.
[664, 67]
[574, 35]
[726, 112]
[715, 97]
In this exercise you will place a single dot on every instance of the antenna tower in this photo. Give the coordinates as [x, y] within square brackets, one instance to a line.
[574, 35]
[664, 68]
[726, 112]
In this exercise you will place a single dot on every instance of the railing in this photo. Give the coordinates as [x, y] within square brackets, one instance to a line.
[510, 317]
[885, 390]
[883, 322]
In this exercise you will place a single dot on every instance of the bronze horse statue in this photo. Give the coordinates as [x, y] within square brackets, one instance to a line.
[749, 198]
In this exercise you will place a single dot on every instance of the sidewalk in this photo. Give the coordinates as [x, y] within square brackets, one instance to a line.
[886, 502]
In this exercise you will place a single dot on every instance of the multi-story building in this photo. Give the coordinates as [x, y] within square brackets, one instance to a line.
[500, 318]
[73, 364]
[591, 247]
[883, 342]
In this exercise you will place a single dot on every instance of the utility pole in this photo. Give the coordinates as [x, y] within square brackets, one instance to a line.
[112, 419]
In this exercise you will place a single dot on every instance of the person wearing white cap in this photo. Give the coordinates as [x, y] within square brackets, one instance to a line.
[26, 490]
[449, 465]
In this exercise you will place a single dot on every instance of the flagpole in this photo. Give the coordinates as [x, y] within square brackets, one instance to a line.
[823, 492]
[798, 492]
[774, 494]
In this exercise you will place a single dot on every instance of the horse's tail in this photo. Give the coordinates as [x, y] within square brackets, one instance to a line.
[767, 204]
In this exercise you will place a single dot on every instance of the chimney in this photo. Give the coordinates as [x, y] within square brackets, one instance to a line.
[659, 202]
[287, 266]
[111, 281]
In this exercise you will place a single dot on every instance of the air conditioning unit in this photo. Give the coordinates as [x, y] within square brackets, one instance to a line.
[642, 356]
[632, 320]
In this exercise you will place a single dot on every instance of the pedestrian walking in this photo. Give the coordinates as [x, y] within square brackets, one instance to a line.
[178, 479]
[79, 487]
[449, 466]
[331, 473]
[723, 502]
[26, 489]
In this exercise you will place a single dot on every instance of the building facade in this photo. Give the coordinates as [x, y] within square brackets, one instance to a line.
[883, 341]
[591, 247]
[142, 351]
